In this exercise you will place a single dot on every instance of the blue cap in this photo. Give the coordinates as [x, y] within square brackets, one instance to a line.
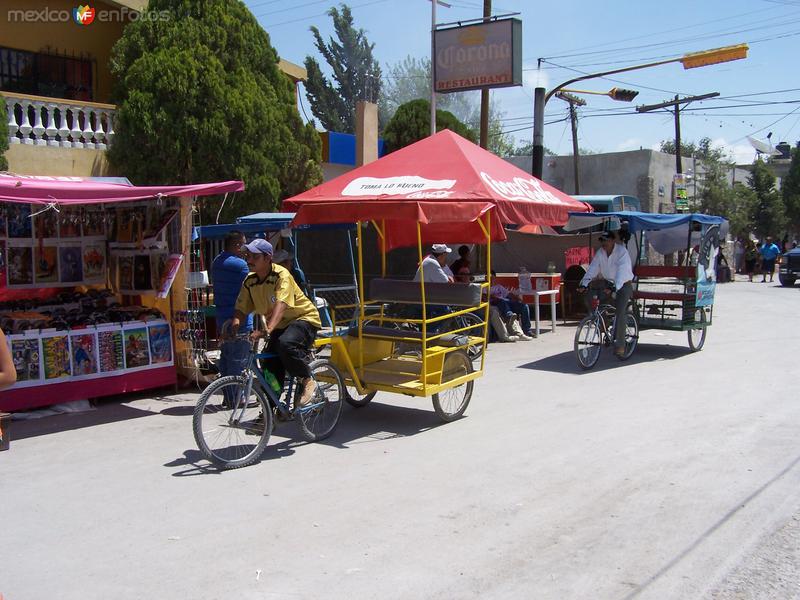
[259, 246]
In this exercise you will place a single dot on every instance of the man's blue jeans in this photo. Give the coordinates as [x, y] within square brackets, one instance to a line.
[232, 361]
[508, 306]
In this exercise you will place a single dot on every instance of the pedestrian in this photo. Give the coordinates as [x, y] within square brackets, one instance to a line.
[750, 258]
[285, 258]
[738, 256]
[769, 251]
[228, 272]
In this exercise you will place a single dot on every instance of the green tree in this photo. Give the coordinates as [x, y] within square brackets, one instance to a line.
[200, 98]
[410, 79]
[526, 149]
[356, 74]
[412, 122]
[741, 216]
[3, 141]
[791, 192]
[768, 214]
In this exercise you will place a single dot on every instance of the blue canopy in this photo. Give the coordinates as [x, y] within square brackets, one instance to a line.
[639, 221]
[255, 224]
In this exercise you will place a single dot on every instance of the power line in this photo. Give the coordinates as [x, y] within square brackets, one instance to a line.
[325, 14]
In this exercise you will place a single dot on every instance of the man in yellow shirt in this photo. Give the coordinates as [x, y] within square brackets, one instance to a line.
[292, 319]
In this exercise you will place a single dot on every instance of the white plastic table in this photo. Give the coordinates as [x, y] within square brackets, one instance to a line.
[536, 294]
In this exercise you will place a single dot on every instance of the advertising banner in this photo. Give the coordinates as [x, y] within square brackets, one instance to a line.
[486, 55]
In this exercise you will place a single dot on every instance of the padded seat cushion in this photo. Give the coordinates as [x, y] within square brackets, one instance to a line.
[401, 290]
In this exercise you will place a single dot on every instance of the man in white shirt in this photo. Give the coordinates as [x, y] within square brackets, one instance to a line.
[612, 262]
[434, 266]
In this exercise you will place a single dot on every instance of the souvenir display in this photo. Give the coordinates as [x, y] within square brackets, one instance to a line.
[109, 344]
[94, 262]
[55, 352]
[70, 264]
[167, 273]
[125, 273]
[20, 265]
[137, 353]
[142, 273]
[25, 354]
[19, 220]
[46, 264]
[84, 354]
[94, 222]
[160, 343]
[45, 224]
[3, 258]
[69, 222]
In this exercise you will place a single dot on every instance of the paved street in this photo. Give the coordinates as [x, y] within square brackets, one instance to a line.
[674, 475]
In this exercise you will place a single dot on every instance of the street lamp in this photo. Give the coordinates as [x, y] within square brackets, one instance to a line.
[619, 94]
[691, 60]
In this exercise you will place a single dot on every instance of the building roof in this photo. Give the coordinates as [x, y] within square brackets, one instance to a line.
[295, 72]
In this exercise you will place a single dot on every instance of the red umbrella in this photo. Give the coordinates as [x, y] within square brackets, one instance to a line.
[444, 182]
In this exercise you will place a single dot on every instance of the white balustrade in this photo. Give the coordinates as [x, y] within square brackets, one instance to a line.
[55, 123]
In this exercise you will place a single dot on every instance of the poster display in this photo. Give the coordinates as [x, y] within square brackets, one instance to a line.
[20, 265]
[46, 264]
[109, 344]
[25, 354]
[55, 352]
[137, 348]
[84, 354]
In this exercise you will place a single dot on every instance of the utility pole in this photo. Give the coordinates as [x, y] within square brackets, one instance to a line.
[573, 117]
[676, 105]
[433, 67]
[484, 136]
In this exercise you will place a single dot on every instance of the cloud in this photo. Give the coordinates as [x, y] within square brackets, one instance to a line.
[741, 153]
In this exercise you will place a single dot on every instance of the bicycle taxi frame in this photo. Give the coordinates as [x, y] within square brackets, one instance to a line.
[675, 298]
[442, 189]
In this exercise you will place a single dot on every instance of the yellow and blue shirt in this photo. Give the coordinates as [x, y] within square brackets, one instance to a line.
[261, 296]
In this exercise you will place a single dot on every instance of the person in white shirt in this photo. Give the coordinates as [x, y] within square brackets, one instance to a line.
[434, 266]
[611, 263]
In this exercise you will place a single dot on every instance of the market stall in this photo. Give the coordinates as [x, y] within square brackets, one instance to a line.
[93, 296]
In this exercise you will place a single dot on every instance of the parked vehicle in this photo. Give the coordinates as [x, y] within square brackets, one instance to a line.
[789, 267]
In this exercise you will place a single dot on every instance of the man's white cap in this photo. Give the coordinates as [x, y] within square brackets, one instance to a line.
[441, 249]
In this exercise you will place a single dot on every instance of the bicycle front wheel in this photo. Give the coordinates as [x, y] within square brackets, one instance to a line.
[318, 418]
[232, 430]
[588, 342]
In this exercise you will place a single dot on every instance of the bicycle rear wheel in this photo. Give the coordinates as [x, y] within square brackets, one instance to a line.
[450, 404]
[231, 431]
[588, 342]
[318, 419]
[697, 337]
[631, 335]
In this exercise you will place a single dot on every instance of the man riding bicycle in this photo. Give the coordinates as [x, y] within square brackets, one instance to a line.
[292, 319]
[611, 263]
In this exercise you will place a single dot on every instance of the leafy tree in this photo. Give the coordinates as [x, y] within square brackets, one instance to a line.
[200, 98]
[412, 122]
[3, 141]
[410, 79]
[791, 191]
[768, 214]
[356, 74]
[526, 149]
[741, 215]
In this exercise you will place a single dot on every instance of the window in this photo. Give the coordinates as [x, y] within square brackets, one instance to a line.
[48, 75]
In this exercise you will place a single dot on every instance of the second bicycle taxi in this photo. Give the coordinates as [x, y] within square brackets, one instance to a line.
[668, 297]
[442, 189]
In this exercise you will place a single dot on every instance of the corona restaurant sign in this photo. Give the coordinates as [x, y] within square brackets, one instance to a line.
[486, 55]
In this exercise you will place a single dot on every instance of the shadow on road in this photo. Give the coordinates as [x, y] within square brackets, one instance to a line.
[372, 423]
[565, 362]
[106, 413]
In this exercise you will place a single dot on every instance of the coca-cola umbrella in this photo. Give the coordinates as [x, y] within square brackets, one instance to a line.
[445, 183]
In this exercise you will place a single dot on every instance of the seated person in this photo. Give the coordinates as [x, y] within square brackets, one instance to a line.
[511, 308]
[498, 330]
[462, 266]
[434, 269]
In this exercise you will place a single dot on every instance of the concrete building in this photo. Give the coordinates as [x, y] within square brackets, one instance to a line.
[646, 174]
[55, 84]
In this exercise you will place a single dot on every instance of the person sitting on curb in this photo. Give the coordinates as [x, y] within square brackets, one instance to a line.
[499, 328]
[511, 308]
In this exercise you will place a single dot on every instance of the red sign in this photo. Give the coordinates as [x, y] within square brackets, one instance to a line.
[579, 255]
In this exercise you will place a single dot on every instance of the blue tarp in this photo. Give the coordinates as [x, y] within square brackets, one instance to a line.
[639, 221]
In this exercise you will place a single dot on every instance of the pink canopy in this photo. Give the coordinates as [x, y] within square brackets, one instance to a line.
[77, 190]
[444, 182]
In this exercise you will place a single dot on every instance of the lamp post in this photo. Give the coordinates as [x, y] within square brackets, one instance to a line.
[691, 60]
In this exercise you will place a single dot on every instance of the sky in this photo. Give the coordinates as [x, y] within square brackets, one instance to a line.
[758, 95]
